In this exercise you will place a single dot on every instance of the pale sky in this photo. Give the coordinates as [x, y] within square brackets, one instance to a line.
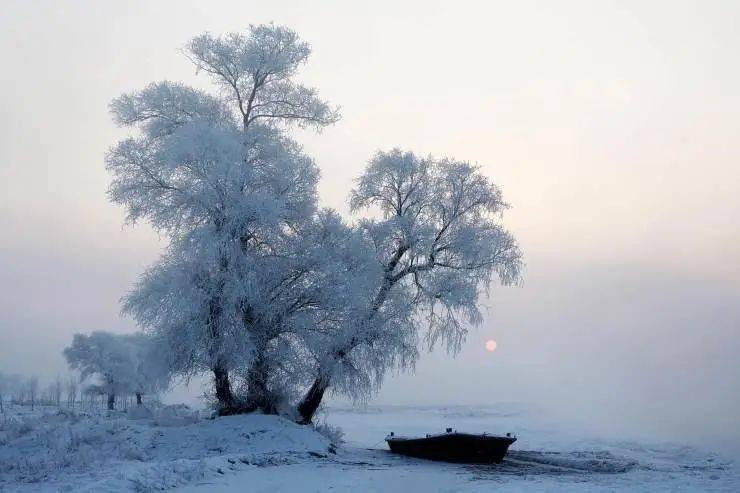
[612, 128]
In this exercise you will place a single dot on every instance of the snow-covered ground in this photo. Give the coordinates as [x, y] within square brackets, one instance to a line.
[176, 448]
[59, 450]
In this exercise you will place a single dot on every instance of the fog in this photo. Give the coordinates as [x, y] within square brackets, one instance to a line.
[612, 130]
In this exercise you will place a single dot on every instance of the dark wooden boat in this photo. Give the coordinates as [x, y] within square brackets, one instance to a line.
[454, 447]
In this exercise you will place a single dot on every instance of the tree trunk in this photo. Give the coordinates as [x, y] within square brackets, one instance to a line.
[138, 398]
[226, 401]
[259, 395]
[111, 401]
[311, 401]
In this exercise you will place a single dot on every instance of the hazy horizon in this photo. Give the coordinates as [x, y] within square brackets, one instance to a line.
[611, 129]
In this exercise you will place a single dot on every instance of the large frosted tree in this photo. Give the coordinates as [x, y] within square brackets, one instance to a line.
[259, 285]
[217, 174]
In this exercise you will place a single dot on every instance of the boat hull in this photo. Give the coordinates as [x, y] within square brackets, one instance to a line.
[454, 447]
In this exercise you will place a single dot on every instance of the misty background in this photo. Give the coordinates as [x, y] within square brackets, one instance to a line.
[611, 127]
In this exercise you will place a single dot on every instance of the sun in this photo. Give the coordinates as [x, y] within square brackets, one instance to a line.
[491, 345]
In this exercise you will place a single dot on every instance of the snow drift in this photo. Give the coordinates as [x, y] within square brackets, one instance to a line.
[56, 450]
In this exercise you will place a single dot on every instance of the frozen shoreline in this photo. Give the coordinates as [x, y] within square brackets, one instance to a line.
[175, 449]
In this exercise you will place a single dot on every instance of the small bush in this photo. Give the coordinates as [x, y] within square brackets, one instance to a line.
[333, 433]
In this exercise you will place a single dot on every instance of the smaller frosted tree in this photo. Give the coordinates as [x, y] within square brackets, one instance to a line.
[56, 388]
[437, 247]
[122, 364]
[72, 389]
[3, 391]
[150, 363]
[32, 390]
[104, 356]
[15, 389]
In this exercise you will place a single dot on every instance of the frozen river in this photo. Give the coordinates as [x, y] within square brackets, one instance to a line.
[548, 456]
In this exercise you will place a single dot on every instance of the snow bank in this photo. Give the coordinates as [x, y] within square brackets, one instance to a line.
[159, 449]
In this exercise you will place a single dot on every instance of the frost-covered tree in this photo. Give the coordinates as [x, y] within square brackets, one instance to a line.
[12, 390]
[438, 246]
[256, 282]
[7, 386]
[56, 387]
[121, 363]
[47, 395]
[72, 388]
[3, 391]
[302, 312]
[105, 356]
[32, 390]
[151, 365]
[15, 388]
[218, 176]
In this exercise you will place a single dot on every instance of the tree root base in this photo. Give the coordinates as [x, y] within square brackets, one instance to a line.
[244, 408]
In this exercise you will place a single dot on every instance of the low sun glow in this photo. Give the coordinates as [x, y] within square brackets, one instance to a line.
[490, 345]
